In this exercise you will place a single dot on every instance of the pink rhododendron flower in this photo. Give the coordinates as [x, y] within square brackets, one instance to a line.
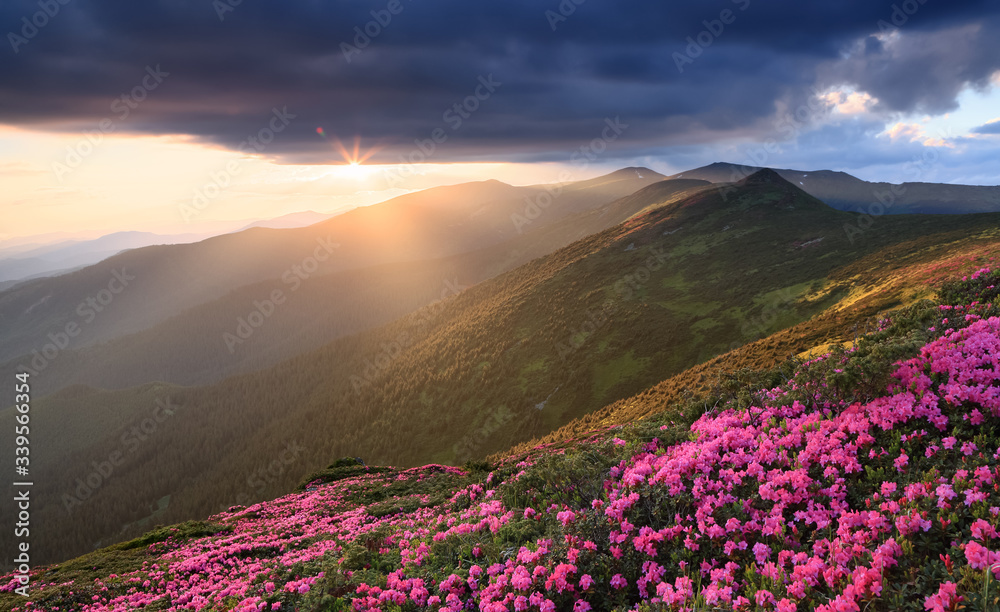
[944, 600]
[901, 462]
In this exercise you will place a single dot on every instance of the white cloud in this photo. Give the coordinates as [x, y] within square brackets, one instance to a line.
[849, 102]
[910, 131]
[914, 132]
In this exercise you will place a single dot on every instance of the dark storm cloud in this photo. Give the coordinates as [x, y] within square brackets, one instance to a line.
[559, 69]
[924, 71]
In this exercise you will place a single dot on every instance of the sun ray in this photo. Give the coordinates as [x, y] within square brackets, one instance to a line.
[354, 156]
[339, 145]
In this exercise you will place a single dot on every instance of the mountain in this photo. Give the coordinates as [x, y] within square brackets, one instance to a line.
[600, 190]
[20, 262]
[4, 285]
[686, 278]
[202, 344]
[835, 453]
[110, 243]
[51, 259]
[845, 192]
[18, 269]
[298, 219]
[13, 245]
[164, 281]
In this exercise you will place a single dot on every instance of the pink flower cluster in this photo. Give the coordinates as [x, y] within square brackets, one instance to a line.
[798, 460]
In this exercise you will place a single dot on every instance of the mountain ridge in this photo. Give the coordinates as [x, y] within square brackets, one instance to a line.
[431, 224]
[596, 322]
[846, 192]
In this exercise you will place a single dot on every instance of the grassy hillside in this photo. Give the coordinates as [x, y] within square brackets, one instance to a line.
[206, 343]
[858, 479]
[906, 273]
[137, 289]
[506, 361]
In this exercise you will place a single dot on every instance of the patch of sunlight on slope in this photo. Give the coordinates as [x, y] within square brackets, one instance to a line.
[673, 199]
[908, 294]
[858, 291]
[816, 351]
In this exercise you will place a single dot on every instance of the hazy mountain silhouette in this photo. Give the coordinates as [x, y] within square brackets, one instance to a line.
[164, 281]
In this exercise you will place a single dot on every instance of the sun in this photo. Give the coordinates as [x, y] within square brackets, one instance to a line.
[354, 166]
[356, 170]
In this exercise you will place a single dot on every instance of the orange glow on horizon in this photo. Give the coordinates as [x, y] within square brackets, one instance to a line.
[141, 182]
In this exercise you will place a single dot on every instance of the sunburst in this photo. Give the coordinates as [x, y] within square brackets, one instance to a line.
[354, 159]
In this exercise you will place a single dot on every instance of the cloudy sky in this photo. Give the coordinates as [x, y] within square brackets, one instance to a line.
[168, 115]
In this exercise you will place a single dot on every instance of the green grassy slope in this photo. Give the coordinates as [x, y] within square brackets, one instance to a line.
[507, 360]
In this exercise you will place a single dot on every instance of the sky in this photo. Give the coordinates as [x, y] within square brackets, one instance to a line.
[171, 116]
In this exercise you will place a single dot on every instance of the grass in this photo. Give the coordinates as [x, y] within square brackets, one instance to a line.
[610, 373]
[436, 391]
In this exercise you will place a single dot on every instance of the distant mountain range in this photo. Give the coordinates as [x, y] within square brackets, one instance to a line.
[191, 348]
[838, 189]
[432, 224]
[19, 262]
[845, 192]
[74, 254]
[594, 301]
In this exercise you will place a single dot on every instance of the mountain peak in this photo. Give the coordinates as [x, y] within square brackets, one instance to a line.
[635, 172]
[764, 176]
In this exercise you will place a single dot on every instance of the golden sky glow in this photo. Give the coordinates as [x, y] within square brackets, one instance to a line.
[153, 183]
